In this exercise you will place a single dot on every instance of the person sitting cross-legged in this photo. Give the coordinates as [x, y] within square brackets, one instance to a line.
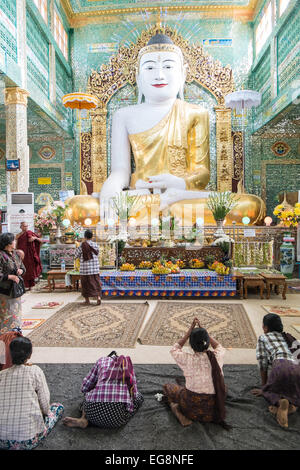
[203, 396]
[111, 396]
[26, 416]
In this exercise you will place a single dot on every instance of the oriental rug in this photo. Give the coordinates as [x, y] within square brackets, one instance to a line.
[43, 305]
[227, 323]
[31, 323]
[109, 325]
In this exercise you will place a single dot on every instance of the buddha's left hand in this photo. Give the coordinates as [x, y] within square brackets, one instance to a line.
[163, 181]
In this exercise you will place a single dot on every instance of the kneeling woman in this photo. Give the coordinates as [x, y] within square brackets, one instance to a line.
[111, 394]
[203, 397]
[281, 387]
[26, 416]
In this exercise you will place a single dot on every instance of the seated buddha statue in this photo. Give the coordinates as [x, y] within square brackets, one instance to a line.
[169, 139]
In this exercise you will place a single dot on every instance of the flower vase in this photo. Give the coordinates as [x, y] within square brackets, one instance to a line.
[287, 255]
[58, 235]
[219, 233]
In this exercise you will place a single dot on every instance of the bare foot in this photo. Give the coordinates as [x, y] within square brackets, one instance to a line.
[292, 409]
[184, 421]
[257, 392]
[98, 301]
[75, 422]
[273, 410]
[282, 413]
[86, 303]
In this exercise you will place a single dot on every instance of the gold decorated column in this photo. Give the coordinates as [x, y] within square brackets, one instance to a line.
[224, 149]
[16, 138]
[99, 152]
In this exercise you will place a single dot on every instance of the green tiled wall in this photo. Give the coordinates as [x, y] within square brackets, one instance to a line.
[39, 46]
[53, 188]
[8, 41]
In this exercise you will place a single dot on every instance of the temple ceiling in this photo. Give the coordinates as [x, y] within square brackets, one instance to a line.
[81, 12]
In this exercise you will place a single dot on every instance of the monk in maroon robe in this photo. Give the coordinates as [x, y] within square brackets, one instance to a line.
[30, 243]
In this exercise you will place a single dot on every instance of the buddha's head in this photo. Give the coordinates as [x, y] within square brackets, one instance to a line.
[161, 71]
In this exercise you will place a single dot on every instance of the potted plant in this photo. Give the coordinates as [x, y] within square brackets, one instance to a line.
[220, 204]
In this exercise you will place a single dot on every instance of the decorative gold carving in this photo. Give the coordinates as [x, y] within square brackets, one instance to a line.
[224, 149]
[121, 69]
[15, 95]
[177, 161]
[99, 152]
[85, 162]
[237, 141]
[86, 17]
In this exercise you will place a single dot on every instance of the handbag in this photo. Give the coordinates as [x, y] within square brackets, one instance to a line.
[18, 289]
[5, 287]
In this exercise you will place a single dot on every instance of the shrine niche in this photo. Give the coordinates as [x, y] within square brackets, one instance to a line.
[121, 70]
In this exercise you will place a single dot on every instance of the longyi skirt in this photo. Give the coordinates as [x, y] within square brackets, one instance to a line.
[195, 406]
[283, 382]
[90, 285]
[110, 414]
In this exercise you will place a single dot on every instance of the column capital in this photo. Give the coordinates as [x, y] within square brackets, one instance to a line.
[15, 95]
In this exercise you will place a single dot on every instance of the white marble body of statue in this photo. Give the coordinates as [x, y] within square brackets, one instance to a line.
[160, 79]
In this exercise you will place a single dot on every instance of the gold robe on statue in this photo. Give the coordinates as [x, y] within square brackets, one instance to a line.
[178, 144]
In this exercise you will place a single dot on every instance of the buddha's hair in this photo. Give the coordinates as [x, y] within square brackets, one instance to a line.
[20, 349]
[273, 322]
[199, 339]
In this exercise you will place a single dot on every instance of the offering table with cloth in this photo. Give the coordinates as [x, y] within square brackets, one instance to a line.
[187, 283]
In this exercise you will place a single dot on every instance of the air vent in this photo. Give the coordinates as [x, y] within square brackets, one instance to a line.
[21, 199]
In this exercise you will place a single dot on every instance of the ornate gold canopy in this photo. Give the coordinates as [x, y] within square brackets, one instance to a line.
[121, 70]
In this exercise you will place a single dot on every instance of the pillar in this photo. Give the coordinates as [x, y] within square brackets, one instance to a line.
[224, 149]
[16, 138]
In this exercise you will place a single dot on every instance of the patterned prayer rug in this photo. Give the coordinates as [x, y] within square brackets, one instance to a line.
[43, 305]
[227, 323]
[283, 310]
[31, 323]
[109, 325]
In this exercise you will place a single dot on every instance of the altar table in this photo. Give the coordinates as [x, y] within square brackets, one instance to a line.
[188, 283]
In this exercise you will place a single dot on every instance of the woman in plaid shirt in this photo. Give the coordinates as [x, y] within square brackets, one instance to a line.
[26, 416]
[88, 253]
[110, 392]
[278, 351]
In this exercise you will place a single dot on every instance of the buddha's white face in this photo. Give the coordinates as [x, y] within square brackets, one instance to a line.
[160, 76]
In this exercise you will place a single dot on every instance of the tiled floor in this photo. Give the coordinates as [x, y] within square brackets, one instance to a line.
[147, 354]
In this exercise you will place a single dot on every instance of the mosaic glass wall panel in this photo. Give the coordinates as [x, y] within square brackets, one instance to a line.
[280, 178]
[63, 85]
[37, 55]
[8, 24]
[288, 50]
